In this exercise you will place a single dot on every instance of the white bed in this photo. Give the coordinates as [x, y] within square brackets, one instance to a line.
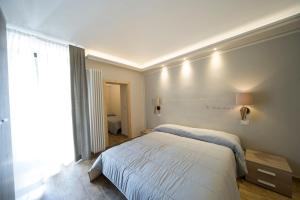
[162, 165]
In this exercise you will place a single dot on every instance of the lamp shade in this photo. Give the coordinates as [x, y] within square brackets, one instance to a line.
[244, 99]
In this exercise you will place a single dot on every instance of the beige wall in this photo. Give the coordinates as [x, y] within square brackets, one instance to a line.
[204, 95]
[137, 90]
[114, 99]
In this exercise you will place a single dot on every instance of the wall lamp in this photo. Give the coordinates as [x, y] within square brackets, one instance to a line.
[157, 106]
[244, 99]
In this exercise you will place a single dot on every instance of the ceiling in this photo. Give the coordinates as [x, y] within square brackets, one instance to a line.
[142, 33]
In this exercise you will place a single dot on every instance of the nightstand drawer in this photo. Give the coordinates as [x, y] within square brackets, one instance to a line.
[266, 172]
[270, 178]
[275, 185]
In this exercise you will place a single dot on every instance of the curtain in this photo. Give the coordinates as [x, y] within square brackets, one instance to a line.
[40, 103]
[80, 112]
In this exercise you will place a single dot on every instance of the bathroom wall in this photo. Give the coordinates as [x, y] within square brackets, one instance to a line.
[114, 99]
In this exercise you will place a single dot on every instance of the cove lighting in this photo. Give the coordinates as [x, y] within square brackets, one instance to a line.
[186, 69]
[164, 73]
[216, 59]
[205, 42]
[109, 57]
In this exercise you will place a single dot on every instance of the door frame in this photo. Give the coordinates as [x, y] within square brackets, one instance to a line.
[127, 85]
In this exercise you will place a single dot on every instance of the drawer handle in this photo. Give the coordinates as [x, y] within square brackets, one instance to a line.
[266, 172]
[266, 183]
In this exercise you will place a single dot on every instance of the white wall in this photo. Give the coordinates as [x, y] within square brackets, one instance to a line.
[114, 99]
[203, 95]
[137, 90]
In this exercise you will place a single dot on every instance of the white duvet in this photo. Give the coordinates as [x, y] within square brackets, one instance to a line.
[166, 166]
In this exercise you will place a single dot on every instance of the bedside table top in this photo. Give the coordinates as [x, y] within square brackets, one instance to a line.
[268, 160]
[147, 130]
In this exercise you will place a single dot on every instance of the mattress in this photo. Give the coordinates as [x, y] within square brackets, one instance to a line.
[162, 165]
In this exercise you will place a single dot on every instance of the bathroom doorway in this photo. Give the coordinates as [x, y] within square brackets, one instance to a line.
[117, 112]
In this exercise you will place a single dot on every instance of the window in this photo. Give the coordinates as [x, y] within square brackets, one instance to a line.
[40, 106]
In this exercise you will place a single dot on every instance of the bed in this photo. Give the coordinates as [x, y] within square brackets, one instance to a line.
[114, 124]
[175, 162]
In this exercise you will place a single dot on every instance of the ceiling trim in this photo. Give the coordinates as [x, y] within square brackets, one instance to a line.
[268, 27]
[110, 59]
[248, 28]
[279, 19]
[273, 31]
[208, 53]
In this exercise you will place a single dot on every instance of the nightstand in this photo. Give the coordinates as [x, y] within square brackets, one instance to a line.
[146, 131]
[269, 171]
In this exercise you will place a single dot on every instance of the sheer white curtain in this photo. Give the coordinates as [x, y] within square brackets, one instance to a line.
[40, 104]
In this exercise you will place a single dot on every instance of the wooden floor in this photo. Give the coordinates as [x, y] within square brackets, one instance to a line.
[116, 139]
[73, 183]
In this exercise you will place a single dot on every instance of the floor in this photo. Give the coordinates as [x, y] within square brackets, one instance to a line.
[116, 139]
[73, 183]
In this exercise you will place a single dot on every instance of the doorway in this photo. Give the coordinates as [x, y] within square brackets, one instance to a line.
[117, 112]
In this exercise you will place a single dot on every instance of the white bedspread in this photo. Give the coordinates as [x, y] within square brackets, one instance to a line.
[165, 166]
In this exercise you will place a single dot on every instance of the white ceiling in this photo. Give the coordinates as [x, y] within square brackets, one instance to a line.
[141, 33]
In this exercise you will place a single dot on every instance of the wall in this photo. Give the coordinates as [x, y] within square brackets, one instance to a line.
[137, 90]
[114, 99]
[124, 109]
[202, 94]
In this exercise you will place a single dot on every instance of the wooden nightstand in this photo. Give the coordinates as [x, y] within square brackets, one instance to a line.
[269, 171]
[146, 131]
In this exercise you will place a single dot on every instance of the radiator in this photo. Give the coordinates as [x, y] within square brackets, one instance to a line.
[96, 110]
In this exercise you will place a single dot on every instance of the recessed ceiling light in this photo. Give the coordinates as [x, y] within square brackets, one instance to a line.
[215, 49]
